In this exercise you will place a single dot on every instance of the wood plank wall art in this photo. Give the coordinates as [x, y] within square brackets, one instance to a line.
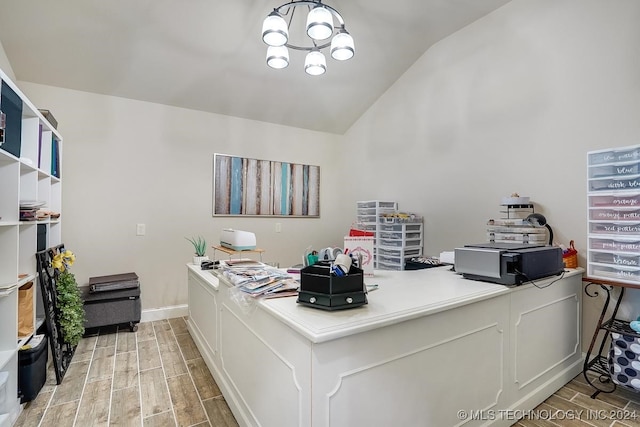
[244, 186]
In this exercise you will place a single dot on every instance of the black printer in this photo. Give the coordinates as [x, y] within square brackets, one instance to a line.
[508, 263]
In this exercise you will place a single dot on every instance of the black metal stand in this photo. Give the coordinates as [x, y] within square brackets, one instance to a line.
[595, 361]
[61, 352]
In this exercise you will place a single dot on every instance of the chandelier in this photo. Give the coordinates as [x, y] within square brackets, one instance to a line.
[320, 27]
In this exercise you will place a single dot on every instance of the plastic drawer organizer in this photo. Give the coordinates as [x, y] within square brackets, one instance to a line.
[368, 213]
[399, 238]
[614, 214]
[613, 261]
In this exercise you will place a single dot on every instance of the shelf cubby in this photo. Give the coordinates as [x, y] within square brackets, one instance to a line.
[8, 255]
[9, 190]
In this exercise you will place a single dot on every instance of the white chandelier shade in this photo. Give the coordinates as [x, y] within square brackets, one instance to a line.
[315, 63]
[325, 28]
[277, 57]
[319, 23]
[274, 30]
[342, 47]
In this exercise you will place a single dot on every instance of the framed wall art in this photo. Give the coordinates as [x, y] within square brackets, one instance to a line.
[245, 186]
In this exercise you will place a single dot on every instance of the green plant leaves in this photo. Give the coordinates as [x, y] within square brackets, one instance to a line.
[199, 245]
[71, 308]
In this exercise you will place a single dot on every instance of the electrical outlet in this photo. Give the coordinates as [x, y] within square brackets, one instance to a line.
[141, 229]
[278, 227]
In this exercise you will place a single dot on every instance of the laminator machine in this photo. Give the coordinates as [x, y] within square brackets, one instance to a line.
[508, 263]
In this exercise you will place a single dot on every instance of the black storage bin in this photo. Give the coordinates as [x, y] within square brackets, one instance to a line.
[111, 307]
[32, 369]
[319, 289]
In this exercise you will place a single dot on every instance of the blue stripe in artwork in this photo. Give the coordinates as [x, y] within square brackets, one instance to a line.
[283, 189]
[235, 206]
[305, 190]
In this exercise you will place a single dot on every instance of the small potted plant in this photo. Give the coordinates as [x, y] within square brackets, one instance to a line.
[200, 248]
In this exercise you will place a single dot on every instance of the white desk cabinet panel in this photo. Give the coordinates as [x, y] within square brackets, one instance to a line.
[545, 335]
[419, 372]
[203, 313]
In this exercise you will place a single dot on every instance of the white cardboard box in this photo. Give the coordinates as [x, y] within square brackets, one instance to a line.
[364, 247]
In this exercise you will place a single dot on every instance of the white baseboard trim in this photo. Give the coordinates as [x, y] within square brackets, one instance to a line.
[164, 313]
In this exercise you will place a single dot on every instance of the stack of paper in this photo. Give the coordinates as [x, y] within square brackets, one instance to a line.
[29, 209]
[259, 280]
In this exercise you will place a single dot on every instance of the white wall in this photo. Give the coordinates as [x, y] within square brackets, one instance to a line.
[127, 162]
[5, 65]
[511, 103]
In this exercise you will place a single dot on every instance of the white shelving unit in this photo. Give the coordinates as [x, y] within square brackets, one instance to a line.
[27, 176]
[613, 192]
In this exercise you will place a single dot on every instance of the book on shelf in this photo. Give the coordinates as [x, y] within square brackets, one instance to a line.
[54, 158]
[39, 145]
[12, 108]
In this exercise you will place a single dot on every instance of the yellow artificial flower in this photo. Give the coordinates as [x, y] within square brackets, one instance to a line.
[63, 260]
[57, 261]
[69, 258]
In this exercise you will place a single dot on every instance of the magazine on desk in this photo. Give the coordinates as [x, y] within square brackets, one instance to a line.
[259, 280]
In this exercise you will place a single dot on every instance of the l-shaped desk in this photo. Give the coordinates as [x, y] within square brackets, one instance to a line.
[429, 349]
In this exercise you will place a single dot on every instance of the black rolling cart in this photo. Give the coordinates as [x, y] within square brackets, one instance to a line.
[616, 366]
[112, 300]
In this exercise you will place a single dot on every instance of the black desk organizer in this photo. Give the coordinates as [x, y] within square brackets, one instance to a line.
[320, 289]
[595, 361]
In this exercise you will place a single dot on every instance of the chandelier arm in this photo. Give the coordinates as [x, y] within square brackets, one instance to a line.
[308, 49]
[293, 12]
[294, 4]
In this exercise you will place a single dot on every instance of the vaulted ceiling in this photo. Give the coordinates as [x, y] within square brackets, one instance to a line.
[208, 54]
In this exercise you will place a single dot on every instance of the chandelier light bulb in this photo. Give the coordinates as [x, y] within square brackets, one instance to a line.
[277, 57]
[319, 23]
[274, 30]
[315, 63]
[342, 47]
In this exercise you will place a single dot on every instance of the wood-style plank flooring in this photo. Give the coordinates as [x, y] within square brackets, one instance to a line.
[157, 377]
[153, 377]
[573, 406]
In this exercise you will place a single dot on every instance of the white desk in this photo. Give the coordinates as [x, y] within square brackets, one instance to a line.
[428, 344]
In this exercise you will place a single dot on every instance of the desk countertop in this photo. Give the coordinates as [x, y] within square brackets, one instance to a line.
[401, 296]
